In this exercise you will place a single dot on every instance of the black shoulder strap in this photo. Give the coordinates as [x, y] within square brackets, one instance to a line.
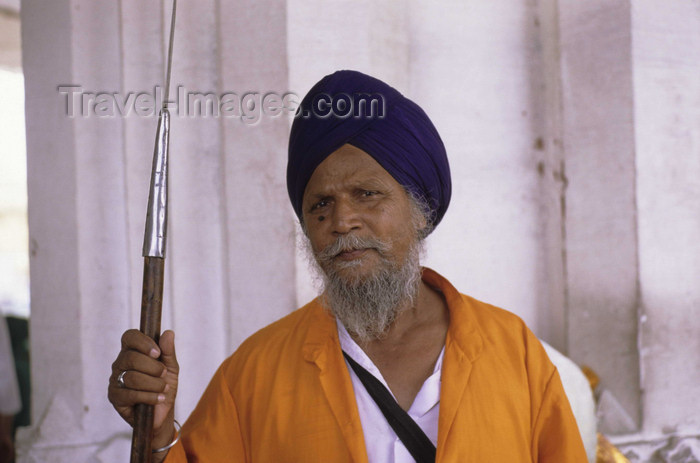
[412, 436]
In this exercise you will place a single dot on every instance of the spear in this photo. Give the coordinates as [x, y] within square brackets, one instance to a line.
[154, 257]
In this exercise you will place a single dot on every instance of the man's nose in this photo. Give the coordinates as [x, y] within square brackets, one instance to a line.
[346, 218]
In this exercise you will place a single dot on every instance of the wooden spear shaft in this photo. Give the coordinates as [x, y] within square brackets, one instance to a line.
[151, 305]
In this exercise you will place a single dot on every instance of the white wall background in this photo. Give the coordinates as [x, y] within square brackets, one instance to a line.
[574, 139]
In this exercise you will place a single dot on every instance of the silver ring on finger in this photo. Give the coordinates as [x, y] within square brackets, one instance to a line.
[120, 379]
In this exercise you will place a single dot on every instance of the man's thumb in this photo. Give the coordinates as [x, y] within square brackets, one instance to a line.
[167, 350]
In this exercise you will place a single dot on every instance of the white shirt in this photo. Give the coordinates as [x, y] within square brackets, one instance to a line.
[383, 446]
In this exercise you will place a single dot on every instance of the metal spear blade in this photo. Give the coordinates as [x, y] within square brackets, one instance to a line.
[157, 216]
[154, 240]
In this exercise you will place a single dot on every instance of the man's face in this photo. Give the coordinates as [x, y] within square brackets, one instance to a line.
[351, 195]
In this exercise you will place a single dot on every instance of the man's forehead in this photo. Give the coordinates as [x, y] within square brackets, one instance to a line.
[349, 166]
[350, 159]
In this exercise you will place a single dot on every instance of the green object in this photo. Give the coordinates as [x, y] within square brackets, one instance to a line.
[19, 336]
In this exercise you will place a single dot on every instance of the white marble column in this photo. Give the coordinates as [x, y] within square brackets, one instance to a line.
[78, 253]
[600, 210]
[666, 56]
[631, 94]
[480, 71]
[230, 260]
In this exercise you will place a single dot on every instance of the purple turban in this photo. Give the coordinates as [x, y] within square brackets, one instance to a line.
[354, 108]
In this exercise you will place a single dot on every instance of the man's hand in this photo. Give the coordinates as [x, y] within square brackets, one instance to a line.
[150, 378]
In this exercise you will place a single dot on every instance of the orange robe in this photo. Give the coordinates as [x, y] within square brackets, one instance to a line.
[285, 396]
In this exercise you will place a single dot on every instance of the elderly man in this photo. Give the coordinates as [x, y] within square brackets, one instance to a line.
[390, 363]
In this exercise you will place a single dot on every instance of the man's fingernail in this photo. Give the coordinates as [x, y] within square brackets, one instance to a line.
[155, 353]
[166, 388]
[161, 398]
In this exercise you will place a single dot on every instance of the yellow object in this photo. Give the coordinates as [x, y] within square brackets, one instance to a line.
[607, 453]
[286, 395]
[591, 376]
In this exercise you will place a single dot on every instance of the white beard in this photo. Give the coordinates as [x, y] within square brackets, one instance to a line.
[368, 305]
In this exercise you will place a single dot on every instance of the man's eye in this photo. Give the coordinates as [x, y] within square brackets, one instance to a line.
[320, 204]
[368, 193]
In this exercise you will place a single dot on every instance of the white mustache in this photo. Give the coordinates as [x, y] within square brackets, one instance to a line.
[346, 243]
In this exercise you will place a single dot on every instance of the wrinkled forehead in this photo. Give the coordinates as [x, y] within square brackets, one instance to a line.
[349, 168]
